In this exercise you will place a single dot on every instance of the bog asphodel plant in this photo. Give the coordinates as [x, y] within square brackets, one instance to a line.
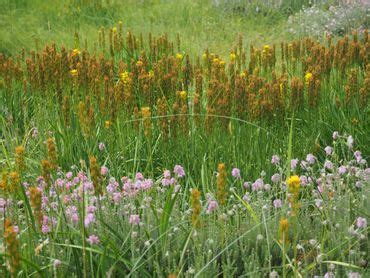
[196, 207]
[294, 184]
[4, 182]
[284, 230]
[35, 198]
[46, 168]
[12, 248]
[96, 175]
[221, 184]
[147, 122]
[19, 158]
[52, 152]
[120, 87]
[162, 110]
[15, 180]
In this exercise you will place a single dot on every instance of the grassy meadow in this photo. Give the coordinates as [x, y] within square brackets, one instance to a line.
[181, 139]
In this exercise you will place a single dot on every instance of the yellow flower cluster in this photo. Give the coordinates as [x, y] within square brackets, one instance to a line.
[308, 77]
[73, 72]
[76, 52]
[294, 184]
[183, 95]
[125, 77]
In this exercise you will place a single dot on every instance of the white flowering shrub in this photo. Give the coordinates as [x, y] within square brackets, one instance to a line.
[336, 20]
[265, 6]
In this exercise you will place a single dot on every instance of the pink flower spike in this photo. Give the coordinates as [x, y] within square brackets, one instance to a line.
[93, 239]
[335, 135]
[134, 219]
[57, 263]
[179, 171]
[139, 176]
[275, 160]
[104, 170]
[235, 173]
[101, 146]
[361, 222]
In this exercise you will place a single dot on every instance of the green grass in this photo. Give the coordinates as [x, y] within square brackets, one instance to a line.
[200, 24]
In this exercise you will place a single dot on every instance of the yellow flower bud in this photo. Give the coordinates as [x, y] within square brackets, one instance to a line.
[73, 72]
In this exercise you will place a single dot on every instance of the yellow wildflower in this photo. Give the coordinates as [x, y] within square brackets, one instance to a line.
[39, 247]
[179, 56]
[232, 57]
[284, 229]
[74, 72]
[75, 52]
[294, 184]
[183, 95]
[145, 111]
[107, 124]
[196, 206]
[125, 77]
[308, 77]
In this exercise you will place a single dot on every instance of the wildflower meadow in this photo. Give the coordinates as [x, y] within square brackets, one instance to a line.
[184, 139]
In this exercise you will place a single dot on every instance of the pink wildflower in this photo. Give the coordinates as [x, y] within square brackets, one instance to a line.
[179, 171]
[235, 173]
[134, 219]
[277, 203]
[101, 146]
[93, 239]
[212, 206]
[275, 160]
[104, 170]
[361, 222]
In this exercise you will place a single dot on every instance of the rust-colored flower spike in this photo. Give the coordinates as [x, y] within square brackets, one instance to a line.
[365, 90]
[196, 207]
[35, 197]
[284, 230]
[4, 182]
[183, 111]
[66, 111]
[86, 116]
[147, 122]
[95, 175]
[162, 110]
[12, 248]
[352, 87]
[221, 184]
[52, 152]
[46, 168]
[19, 158]
[14, 181]
[296, 93]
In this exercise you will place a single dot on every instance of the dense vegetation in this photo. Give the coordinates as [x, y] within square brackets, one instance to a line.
[153, 147]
